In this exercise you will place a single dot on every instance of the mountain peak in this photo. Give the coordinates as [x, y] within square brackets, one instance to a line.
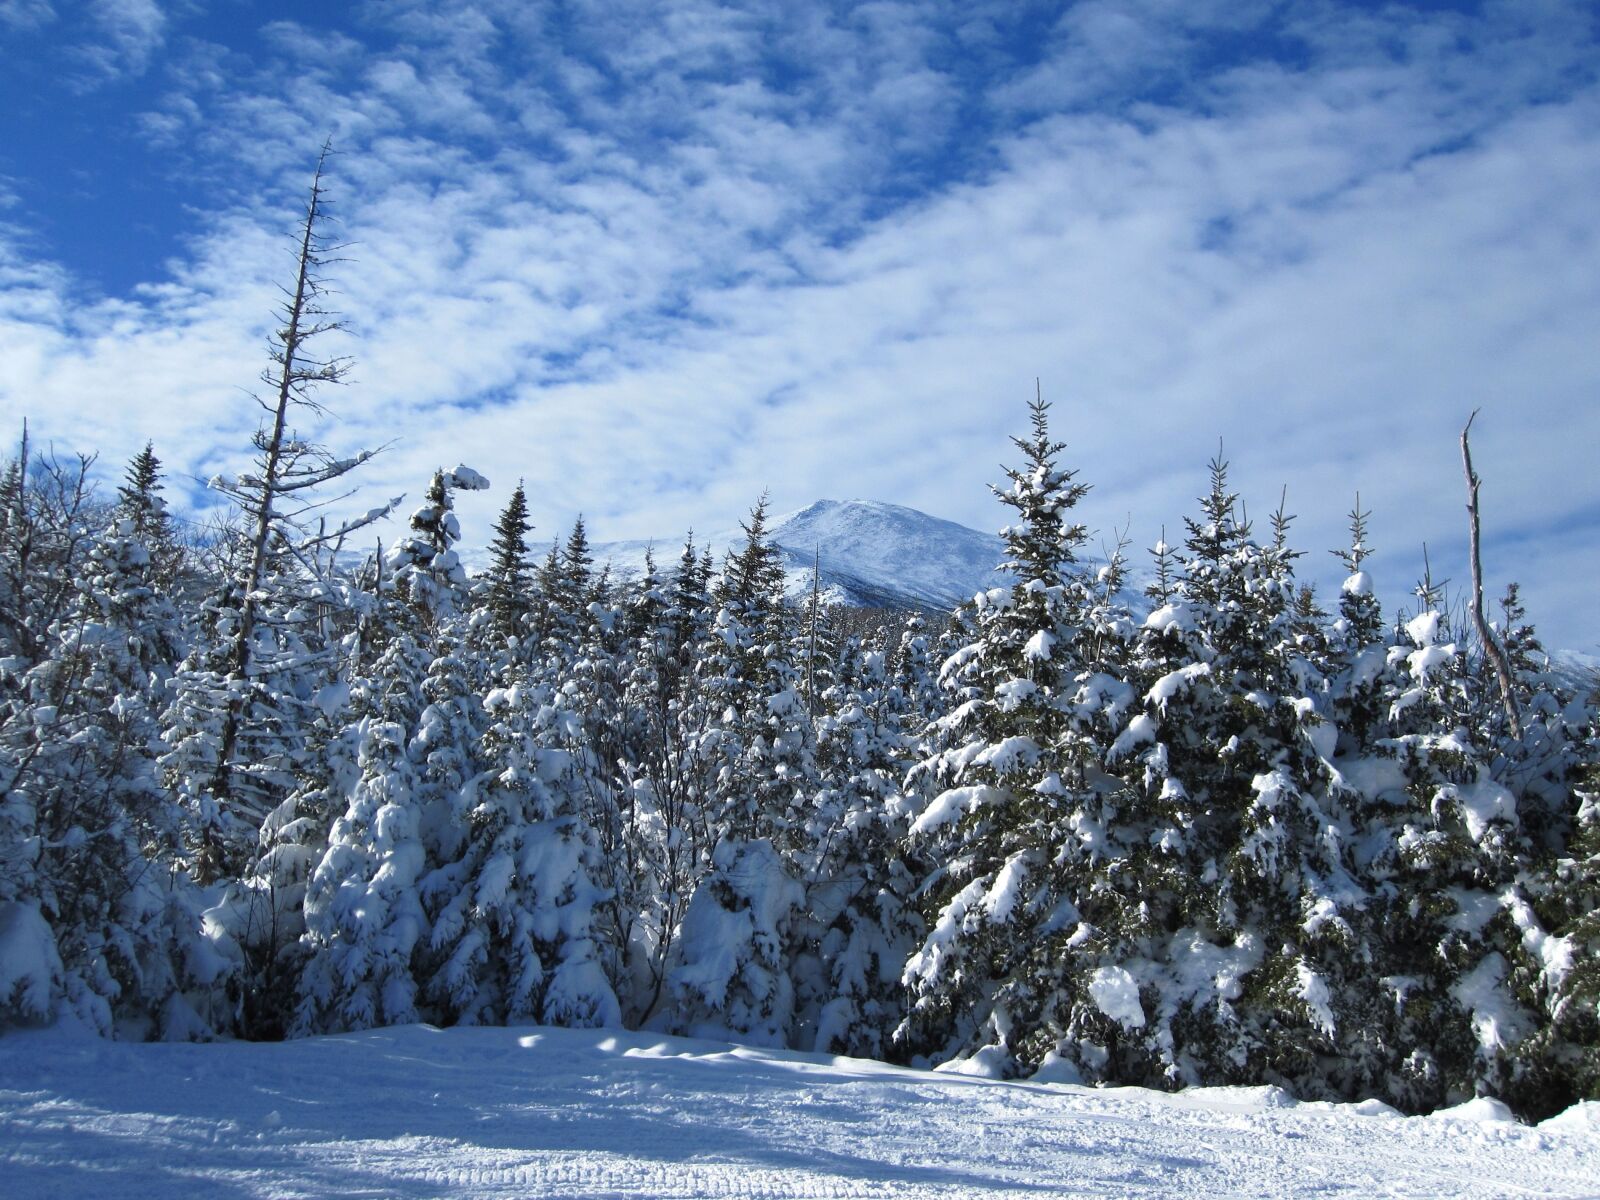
[868, 553]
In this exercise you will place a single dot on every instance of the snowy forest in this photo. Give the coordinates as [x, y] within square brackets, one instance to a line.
[260, 786]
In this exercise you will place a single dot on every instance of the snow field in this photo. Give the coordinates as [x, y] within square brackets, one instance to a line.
[414, 1111]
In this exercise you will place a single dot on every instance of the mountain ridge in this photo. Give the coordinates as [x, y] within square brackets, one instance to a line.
[868, 554]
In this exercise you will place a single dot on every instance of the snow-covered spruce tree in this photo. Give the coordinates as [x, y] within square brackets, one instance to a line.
[613, 695]
[1357, 643]
[564, 588]
[1290, 877]
[362, 913]
[1495, 848]
[776, 738]
[1560, 1062]
[503, 595]
[815, 652]
[668, 770]
[1355, 652]
[1244, 867]
[815, 645]
[425, 565]
[267, 916]
[1481, 841]
[753, 748]
[99, 921]
[1012, 812]
[862, 922]
[916, 677]
[606, 737]
[139, 500]
[513, 914]
[1451, 851]
[1511, 861]
[1552, 937]
[445, 738]
[580, 668]
[1440, 856]
[546, 592]
[259, 682]
[268, 909]
[445, 749]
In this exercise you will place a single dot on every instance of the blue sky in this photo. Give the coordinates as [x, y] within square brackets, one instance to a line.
[654, 258]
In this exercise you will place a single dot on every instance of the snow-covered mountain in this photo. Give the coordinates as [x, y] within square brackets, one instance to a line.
[867, 553]
[1576, 670]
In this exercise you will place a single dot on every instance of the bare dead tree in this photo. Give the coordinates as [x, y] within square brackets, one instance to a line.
[278, 498]
[1491, 645]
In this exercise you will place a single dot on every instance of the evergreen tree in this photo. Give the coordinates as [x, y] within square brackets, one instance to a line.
[514, 913]
[1248, 859]
[139, 500]
[1560, 1061]
[425, 565]
[668, 772]
[863, 924]
[363, 916]
[48, 521]
[507, 596]
[89, 841]
[752, 748]
[1010, 801]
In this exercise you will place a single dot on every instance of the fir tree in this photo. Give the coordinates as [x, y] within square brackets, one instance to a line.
[363, 916]
[425, 565]
[513, 914]
[507, 595]
[752, 748]
[139, 500]
[863, 924]
[668, 774]
[1009, 799]
[90, 844]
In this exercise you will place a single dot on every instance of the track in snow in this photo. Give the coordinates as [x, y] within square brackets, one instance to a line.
[416, 1112]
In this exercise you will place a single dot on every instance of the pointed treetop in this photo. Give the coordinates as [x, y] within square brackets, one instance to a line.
[1223, 526]
[576, 559]
[754, 576]
[1043, 545]
[139, 498]
[1163, 583]
[508, 562]
[1358, 550]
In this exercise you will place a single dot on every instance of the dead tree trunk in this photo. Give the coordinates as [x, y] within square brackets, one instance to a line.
[278, 500]
[1491, 645]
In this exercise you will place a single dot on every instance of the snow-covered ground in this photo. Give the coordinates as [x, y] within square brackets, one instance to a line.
[416, 1111]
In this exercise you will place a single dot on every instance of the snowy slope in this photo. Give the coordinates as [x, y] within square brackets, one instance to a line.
[1576, 670]
[869, 553]
[415, 1111]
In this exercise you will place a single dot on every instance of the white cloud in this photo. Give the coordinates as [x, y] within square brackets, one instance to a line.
[26, 15]
[125, 36]
[637, 263]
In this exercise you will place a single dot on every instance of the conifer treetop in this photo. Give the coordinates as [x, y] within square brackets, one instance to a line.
[1043, 544]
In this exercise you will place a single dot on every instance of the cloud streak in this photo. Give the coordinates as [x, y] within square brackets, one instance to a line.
[655, 259]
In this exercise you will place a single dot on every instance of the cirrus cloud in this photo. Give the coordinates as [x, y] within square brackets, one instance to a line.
[655, 258]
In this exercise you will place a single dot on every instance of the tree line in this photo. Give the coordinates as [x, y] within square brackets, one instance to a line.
[1215, 833]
